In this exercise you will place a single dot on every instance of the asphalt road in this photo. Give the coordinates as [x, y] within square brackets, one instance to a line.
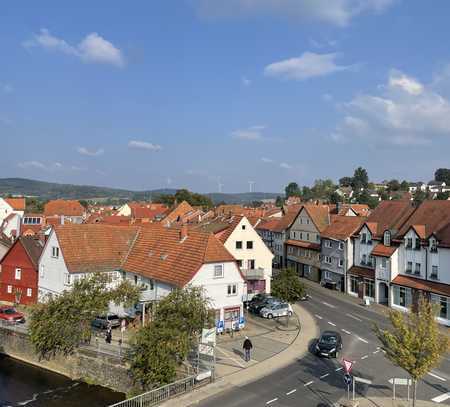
[314, 381]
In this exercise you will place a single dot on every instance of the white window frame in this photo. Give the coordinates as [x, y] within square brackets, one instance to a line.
[434, 275]
[341, 245]
[328, 259]
[41, 271]
[341, 263]
[9, 289]
[29, 292]
[232, 290]
[328, 244]
[216, 269]
[18, 274]
[55, 252]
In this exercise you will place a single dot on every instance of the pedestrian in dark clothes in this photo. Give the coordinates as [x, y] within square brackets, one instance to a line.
[108, 336]
[247, 347]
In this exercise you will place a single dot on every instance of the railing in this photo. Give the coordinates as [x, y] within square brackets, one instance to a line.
[253, 274]
[157, 396]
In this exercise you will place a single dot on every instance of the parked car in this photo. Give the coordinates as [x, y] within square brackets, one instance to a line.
[329, 344]
[10, 314]
[103, 321]
[257, 306]
[256, 298]
[276, 309]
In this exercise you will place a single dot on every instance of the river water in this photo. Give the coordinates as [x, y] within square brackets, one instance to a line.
[25, 385]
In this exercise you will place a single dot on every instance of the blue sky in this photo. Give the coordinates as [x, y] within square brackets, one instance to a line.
[197, 93]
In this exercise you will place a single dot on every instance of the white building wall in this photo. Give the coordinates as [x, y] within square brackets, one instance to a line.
[124, 210]
[363, 248]
[350, 255]
[13, 224]
[413, 256]
[5, 209]
[442, 260]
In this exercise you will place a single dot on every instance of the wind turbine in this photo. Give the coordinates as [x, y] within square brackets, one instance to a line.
[219, 184]
[250, 185]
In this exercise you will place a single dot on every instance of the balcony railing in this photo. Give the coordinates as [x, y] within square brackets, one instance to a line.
[253, 274]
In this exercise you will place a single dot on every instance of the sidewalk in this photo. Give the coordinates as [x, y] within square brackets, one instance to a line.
[296, 350]
[383, 402]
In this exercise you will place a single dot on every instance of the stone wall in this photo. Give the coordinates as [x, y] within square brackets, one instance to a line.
[85, 364]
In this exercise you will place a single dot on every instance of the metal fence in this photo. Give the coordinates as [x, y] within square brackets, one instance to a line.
[157, 396]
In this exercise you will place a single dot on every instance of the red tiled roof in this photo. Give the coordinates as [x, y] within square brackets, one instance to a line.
[305, 245]
[383, 251]
[443, 235]
[362, 272]
[359, 209]
[18, 204]
[147, 211]
[178, 213]
[342, 227]
[269, 224]
[320, 215]
[423, 285]
[63, 207]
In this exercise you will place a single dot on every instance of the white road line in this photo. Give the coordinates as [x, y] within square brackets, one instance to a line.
[347, 332]
[441, 398]
[362, 339]
[376, 351]
[339, 368]
[318, 316]
[364, 357]
[328, 305]
[271, 401]
[331, 323]
[290, 392]
[324, 375]
[307, 384]
[352, 316]
[437, 377]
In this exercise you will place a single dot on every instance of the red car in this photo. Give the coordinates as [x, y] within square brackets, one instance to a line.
[8, 313]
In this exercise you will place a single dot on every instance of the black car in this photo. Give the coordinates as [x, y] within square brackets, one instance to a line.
[329, 344]
[103, 321]
[257, 306]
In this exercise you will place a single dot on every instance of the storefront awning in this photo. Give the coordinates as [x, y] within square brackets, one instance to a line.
[423, 285]
[362, 272]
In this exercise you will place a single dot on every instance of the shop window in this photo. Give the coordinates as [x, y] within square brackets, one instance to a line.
[369, 290]
[402, 296]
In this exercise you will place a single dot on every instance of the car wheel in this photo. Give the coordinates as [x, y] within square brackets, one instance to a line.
[270, 316]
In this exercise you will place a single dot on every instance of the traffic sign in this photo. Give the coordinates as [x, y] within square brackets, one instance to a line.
[361, 380]
[347, 365]
[400, 381]
[347, 379]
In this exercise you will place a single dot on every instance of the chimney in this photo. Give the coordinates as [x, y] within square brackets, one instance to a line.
[183, 232]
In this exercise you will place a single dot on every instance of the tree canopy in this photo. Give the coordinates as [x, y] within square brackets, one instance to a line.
[292, 189]
[287, 286]
[442, 175]
[181, 195]
[360, 178]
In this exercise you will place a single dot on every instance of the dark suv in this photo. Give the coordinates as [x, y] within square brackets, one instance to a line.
[256, 306]
[103, 321]
[329, 344]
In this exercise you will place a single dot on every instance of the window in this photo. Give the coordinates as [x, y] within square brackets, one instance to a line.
[364, 259]
[434, 272]
[152, 284]
[301, 220]
[29, 292]
[409, 267]
[341, 263]
[67, 279]
[364, 238]
[18, 274]
[327, 275]
[307, 221]
[417, 268]
[218, 271]
[409, 243]
[402, 296]
[387, 238]
[369, 239]
[55, 252]
[433, 245]
[243, 227]
[238, 244]
[135, 280]
[341, 245]
[317, 238]
[354, 285]
[369, 288]
[41, 269]
[383, 263]
[239, 262]
[301, 236]
[417, 246]
[328, 243]
[328, 259]
[250, 244]
[442, 302]
[232, 289]
[307, 236]
[251, 264]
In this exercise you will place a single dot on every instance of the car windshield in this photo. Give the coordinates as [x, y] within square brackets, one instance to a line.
[9, 311]
[110, 317]
[328, 339]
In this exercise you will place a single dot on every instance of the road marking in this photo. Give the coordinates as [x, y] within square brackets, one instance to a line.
[376, 351]
[324, 375]
[331, 323]
[441, 398]
[347, 332]
[307, 384]
[364, 357]
[290, 392]
[318, 316]
[328, 305]
[437, 377]
[271, 401]
[362, 339]
[339, 368]
[352, 316]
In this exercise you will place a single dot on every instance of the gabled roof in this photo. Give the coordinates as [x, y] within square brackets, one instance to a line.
[159, 253]
[443, 235]
[177, 214]
[342, 227]
[319, 214]
[33, 246]
[18, 204]
[147, 211]
[64, 207]
[269, 224]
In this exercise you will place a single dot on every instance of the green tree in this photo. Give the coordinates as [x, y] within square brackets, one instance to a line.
[279, 201]
[364, 197]
[404, 186]
[323, 188]
[165, 199]
[442, 175]
[176, 327]
[442, 196]
[346, 181]
[307, 193]
[292, 189]
[360, 179]
[62, 323]
[420, 196]
[414, 343]
[84, 203]
[393, 185]
[34, 205]
[335, 198]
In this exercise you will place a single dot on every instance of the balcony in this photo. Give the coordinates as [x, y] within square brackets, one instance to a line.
[253, 274]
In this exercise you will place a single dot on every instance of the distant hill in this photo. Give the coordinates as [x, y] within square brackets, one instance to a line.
[51, 190]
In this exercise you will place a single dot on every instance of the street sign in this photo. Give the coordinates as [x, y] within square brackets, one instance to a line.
[400, 381]
[347, 379]
[361, 380]
[206, 349]
[347, 365]
[209, 336]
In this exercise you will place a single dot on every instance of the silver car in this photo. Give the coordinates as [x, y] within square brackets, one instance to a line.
[275, 310]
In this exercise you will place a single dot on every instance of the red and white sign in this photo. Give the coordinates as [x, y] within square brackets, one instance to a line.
[348, 364]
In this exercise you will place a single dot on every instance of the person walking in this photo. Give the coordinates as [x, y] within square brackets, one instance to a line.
[247, 348]
[108, 336]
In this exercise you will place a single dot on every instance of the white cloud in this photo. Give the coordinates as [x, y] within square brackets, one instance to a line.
[252, 133]
[285, 165]
[91, 153]
[336, 12]
[92, 49]
[245, 81]
[308, 65]
[266, 160]
[404, 112]
[144, 145]
[40, 165]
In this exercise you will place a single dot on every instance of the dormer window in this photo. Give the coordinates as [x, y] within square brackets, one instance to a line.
[387, 238]
[433, 245]
[409, 243]
[364, 238]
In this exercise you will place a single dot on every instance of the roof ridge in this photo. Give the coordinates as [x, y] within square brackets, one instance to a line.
[138, 232]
